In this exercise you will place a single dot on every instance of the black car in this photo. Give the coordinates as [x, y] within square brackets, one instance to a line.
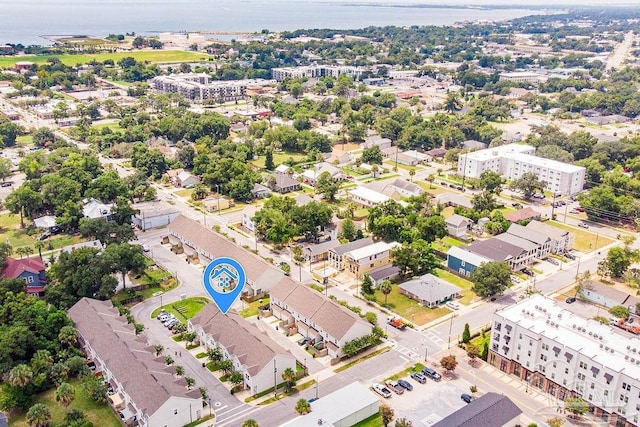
[7, 184]
[405, 384]
[303, 340]
[431, 373]
[570, 300]
[466, 397]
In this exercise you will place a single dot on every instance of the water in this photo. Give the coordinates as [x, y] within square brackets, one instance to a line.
[25, 21]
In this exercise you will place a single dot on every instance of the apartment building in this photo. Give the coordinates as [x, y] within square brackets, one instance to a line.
[146, 391]
[310, 71]
[198, 86]
[566, 355]
[253, 353]
[512, 161]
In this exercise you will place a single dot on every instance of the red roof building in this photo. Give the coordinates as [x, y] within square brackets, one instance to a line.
[31, 270]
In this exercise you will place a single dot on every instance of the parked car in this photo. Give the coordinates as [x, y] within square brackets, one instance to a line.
[303, 340]
[7, 184]
[44, 235]
[163, 312]
[553, 261]
[431, 373]
[395, 387]
[515, 279]
[382, 390]
[583, 225]
[163, 317]
[146, 248]
[453, 305]
[570, 256]
[466, 397]
[419, 377]
[405, 384]
[517, 205]
[570, 300]
[527, 272]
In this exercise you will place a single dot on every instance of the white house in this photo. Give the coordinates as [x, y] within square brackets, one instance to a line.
[253, 353]
[458, 225]
[93, 209]
[146, 390]
[153, 215]
[316, 316]
[561, 240]
[337, 254]
[362, 260]
[247, 218]
[367, 197]
[187, 180]
[310, 176]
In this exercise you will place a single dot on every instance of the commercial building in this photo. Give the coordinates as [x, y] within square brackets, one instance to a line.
[146, 390]
[512, 161]
[199, 86]
[565, 355]
[253, 353]
[521, 77]
[491, 409]
[310, 71]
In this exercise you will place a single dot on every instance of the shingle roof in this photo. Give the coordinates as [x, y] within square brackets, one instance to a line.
[525, 244]
[384, 272]
[15, 267]
[254, 348]
[212, 245]
[554, 233]
[522, 214]
[408, 186]
[356, 244]
[329, 316]
[467, 256]
[457, 220]
[132, 362]
[495, 249]
[489, 410]
[527, 233]
[430, 288]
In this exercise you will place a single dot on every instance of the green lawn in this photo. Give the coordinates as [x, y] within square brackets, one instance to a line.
[113, 126]
[184, 310]
[279, 158]
[372, 421]
[154, 56]
[252, 309]
[98, 414]
[467, 293]
[185, 193]
[408, 308]
[585, 240]
[453, 242]
[10, 230]
[23, 140]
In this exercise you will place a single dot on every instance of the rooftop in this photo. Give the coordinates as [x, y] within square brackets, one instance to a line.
[553, 232]
[467, 256]
[430, 288]
[369, 195]
[489, 410]
[367, 251]
[527, 233]
[356, 244]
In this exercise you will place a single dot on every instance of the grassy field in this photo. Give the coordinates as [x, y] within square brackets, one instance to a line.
[408, 308]
[585, 241]
[23, 140]
[98, 414]
[113, 126]
[184, 310]
[279, 158]
[252, 309]
[10, 230]
[467, 293]
[154, 56]
[372, 421]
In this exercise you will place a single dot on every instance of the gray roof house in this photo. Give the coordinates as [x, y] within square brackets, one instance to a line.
[145, 388]
[451, 199]
[282, 183]
[429, 290]
[260, 191]
[525, 244]
[540, 239]
[336, 254]
[499, 250]
[561, 240]
[458, 225]
[489, 410]
[472, 144]
[93, 209]
[407, 188]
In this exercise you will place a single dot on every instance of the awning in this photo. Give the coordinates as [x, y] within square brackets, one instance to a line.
[116, 401]
[556, 350]
[595, 370]
[568, 355]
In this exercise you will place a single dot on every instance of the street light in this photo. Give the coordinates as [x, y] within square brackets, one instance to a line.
[209, 406]
[426, 352]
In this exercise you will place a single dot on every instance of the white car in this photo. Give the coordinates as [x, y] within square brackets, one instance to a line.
[146, 248]
[382, 390]
[453, 305]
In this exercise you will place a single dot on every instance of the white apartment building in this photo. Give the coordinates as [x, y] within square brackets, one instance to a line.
[565, 355]
[279, 74]
[512, 161]
[521, 77]
[198, 86]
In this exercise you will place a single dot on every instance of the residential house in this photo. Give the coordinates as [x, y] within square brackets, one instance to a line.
[508, 248]
[490, 409]
[406, 188]
[172, 174]
[362, 260]
[282, 183]
[320, 251]
[146, 390]
[310, 176]
[541, 240]
[187, 180]
[253, 353]
[458, 225]
[452, 199]
[246, 219]
[561, 240]
[601, 294]
[260, 191]
[429, 290]
[217, 204]
[47, 222]
[153, 215]
[203, 245]
[528, 246]
[472, 144]
[31, 270]
[436, 153]
[316, 316]
[525, 214]
[410, 158]
[374, 140]
[93, 209]
[367, 197]
[94, 244]
[388, 272]
[463, 261]
[337, 254]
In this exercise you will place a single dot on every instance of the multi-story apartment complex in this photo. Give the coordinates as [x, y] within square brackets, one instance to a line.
[279, 74]
[198, 86]
[566, 355]
[514, 160]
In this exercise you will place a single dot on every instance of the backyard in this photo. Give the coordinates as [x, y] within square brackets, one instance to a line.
[279, 158]
[467, 294]
[98, 414]
[19, 237]
[408, 308]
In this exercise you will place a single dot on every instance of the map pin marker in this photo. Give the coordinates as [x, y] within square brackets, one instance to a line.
[224, 279]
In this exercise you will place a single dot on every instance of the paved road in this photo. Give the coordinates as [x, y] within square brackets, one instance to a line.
[620, 53]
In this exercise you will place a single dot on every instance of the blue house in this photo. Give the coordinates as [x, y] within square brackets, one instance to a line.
[31, 270]
[463, 261]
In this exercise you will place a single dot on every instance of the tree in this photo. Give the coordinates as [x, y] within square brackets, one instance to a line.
[179, 371]
[235, 378]
[68, 335]
[95, 388]
[385, 287]
[619, 311]
[268, 163]
[328, 186]
[387, 413]
[124, 258]
[250, 423]
[226, 366]
[23, 201]
[372, 155]
[65, 394]
[555, 422]
[42, 136]
[348, 231]
[367, 285]
[617, 262]
[39, 415]
[484, 202]
[403, 422]
[190, 382]
[414, 259]
[466, 334]
[431, 178]
[412, 173]
[473, 351]
[452, 102]
[5, 168]
[449, 363]
[576, 405]
[214, 354]
[75, 418]
[158, 348]
[289, 377]
[491, 181]
[39, 245]
[20, 376]
[303, 406]
[491, 278]
[528, 183]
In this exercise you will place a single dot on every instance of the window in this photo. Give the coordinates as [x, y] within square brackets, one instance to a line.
[29, 279]
[545, 346]
[626, 386]
[566, 370]
[175, 412]
[583, 365]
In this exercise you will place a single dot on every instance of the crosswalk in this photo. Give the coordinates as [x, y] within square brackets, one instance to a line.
[434, 337]
[234, 416]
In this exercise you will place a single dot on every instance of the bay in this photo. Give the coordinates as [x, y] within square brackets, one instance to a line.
[26, 21]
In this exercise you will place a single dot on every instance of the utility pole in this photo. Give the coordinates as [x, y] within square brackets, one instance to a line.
[275, 380]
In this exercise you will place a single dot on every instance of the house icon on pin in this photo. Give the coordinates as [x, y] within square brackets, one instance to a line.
[225, 279]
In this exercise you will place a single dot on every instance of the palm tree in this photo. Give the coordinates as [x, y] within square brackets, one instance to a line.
[289, 377]
[190, 382]
[385, 288]
[65, 394]
[431, 178]
[179, 371]
[412, 172]
[68, 335]
[250, 423]
[39, 415]
[20, 376]
[21, 251]
[303, 406]
[39, 244]
[374, 170]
